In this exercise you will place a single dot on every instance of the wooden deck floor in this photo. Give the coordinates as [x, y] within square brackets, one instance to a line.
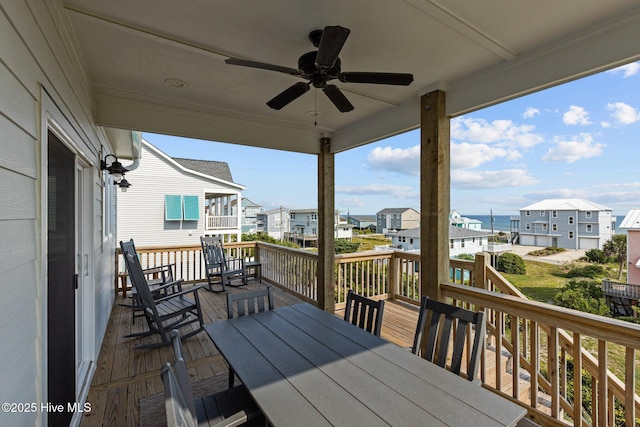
[124, 375]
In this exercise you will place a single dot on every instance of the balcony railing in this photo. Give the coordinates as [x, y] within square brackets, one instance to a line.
[222, 222]
[533, 348]
[622, 290]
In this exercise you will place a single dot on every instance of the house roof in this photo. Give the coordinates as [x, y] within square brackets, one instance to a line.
[631, 220]
[395, 210]
[565, 205]
[371, 218]
[207, 167]
[480, 54]
[454, 233]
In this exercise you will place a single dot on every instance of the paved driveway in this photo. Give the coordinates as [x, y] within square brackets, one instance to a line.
[560, 258]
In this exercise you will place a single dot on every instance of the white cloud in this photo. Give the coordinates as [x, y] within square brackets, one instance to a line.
[503, 133]
[530, 112]
[405, 161]
[623, 113]
[462, 178]
[467, 156]
[580, 146]
[627, 70]
[576, 116]
[391, 190]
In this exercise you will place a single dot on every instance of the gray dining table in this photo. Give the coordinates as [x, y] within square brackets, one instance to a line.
[306, 367]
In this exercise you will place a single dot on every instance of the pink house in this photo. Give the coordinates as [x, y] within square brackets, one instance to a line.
[631, 224]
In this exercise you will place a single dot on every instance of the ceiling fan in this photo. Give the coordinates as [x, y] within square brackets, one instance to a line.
[321, 66]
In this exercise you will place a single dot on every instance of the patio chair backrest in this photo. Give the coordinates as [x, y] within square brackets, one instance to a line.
[213, 252]
[139, 281]
[250, 302]
[363, 312]
[438, 321]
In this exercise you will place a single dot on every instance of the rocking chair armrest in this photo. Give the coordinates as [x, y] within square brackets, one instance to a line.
[167, 285]
[159, 268]
[178, 294]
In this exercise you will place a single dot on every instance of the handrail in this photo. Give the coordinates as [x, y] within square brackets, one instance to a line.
[396, 275]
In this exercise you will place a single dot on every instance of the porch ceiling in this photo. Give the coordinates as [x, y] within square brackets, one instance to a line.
[479, 52]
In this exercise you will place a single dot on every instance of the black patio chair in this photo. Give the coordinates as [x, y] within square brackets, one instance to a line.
[363, 312]
[168, 312]
[227, 408]
[437, 321]
[248, 303]
[220, 269]
[160, 279]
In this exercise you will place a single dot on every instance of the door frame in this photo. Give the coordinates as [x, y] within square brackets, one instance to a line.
[52, 119]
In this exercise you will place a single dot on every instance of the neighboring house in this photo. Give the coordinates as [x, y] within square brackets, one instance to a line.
[303, 228]
[461, 240]
[631, 224]
[460, 221]
[178, 200]
[362, 221]
[248, 214]
[390, 219]
[566, 223]
[274, 222]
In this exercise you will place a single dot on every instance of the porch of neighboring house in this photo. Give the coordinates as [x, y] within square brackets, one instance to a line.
[221, 214]
[127, 389]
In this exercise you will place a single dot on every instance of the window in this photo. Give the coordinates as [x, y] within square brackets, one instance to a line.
[589, 228]
[544, 227]
[541, 213]
[570, 220]
[527, 226]
[587, 214]
[451, 244]
[571, 234]
[190, 208]
[462, 243]
[172, 207]
[178, 208]
[293, 216]
[554, 227]
[528, 213]
[554, 214]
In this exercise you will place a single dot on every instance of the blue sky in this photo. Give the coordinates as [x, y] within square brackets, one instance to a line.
[580, 139]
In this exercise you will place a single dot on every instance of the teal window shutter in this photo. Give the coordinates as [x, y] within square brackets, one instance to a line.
[172, 207]
[191, 208]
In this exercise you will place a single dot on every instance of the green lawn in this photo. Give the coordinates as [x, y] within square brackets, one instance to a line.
[543, 281]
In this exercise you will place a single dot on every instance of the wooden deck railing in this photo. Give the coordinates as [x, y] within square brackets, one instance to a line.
[532, 349]
[623, 290]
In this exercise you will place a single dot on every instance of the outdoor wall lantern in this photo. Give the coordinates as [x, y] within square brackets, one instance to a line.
[115, 168]
[123, 184]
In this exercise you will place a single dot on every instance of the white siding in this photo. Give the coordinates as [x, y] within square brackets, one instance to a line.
[37, 58]
[141, 209]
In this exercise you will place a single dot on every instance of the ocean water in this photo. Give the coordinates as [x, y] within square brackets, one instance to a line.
[500, 222]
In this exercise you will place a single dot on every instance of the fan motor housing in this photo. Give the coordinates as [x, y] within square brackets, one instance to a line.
[307, 66]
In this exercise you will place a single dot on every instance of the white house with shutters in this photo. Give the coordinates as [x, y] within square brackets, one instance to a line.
[178, 200]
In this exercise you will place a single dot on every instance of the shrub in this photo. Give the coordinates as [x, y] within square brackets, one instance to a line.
[346, 247]
[583, 295]
[591, 271]
[596, 255]
[511, 264]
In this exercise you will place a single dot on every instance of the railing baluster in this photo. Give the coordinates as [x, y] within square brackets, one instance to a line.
[535, 361]
[552, 369]
[630, 383]
[602, 383]
[577, 380]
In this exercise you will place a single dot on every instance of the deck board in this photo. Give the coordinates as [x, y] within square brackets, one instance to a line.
[124, 375]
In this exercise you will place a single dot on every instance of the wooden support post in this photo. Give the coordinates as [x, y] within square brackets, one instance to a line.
[480, 270]
[326, 239]
[434, 194]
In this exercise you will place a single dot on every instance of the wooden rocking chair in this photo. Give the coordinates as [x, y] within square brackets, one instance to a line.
[221, 270]
[166, 313]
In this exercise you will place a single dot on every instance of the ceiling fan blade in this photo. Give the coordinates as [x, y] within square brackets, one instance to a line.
[262, 66]
[400, 79]
[331, 43]
[337, 97]
[288, 95]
